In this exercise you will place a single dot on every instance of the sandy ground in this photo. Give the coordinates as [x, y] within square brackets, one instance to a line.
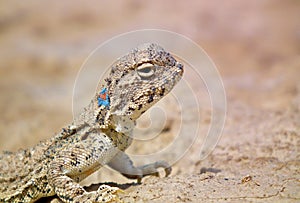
[256, 46]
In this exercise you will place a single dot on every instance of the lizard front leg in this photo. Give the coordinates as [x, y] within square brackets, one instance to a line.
[77, 161]
[122, 163]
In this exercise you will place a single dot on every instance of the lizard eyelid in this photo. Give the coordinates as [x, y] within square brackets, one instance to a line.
[146, 70]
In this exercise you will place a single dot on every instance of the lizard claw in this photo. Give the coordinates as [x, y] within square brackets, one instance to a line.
[168, 171]
[151, 169]
[104, 193]
[107, 194]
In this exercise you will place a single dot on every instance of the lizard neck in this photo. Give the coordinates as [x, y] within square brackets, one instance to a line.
[106, 117]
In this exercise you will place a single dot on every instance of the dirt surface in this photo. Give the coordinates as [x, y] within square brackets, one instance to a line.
[256, 46]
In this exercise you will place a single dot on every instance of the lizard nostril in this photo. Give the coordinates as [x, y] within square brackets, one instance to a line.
[179, 65]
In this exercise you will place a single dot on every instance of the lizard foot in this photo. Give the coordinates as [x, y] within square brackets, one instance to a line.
[104, 193]
[150, 170]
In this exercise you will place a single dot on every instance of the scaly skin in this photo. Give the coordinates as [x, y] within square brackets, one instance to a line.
[99, 136]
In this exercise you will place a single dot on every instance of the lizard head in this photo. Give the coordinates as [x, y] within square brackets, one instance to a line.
[140, 79]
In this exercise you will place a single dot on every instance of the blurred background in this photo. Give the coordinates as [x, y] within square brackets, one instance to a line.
[255, 45]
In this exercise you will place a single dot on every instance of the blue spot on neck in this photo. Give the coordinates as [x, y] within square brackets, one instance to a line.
[103, 98]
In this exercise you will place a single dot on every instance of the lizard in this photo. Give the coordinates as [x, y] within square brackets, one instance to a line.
[98, 136]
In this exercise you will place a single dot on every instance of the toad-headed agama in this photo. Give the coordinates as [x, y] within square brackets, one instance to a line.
[98, 136]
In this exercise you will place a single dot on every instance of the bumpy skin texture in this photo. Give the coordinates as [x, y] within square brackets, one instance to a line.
[99, 136]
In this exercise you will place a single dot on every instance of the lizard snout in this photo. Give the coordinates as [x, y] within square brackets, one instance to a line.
[180, 67]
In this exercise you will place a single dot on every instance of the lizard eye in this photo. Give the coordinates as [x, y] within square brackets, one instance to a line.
[146, 70]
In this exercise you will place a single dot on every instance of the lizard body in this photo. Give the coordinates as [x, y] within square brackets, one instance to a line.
[99, 136]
